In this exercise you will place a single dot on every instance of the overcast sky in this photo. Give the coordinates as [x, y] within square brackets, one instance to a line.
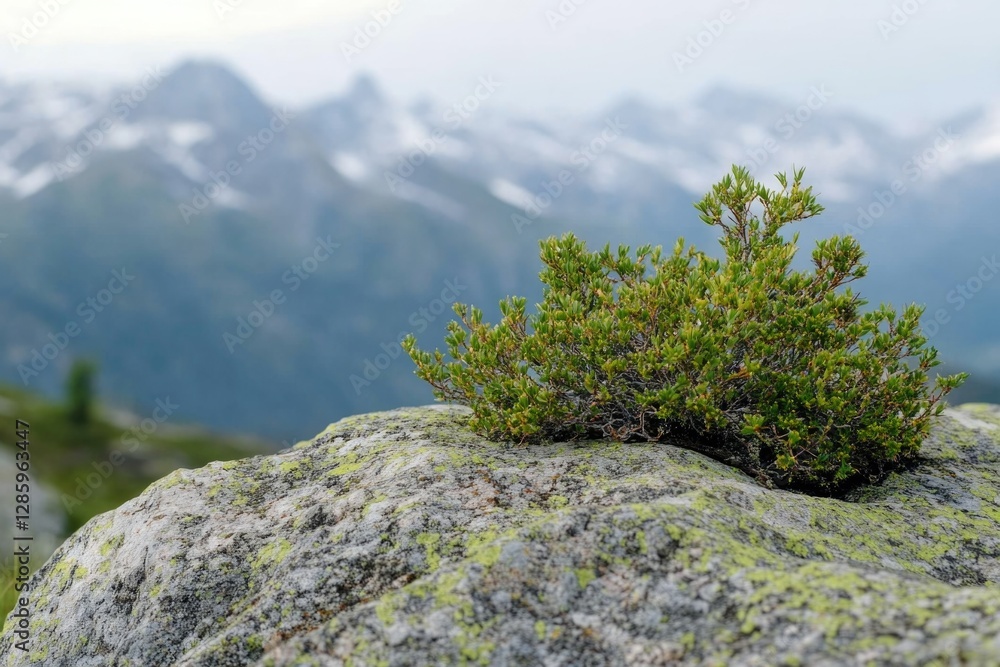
[938, 59]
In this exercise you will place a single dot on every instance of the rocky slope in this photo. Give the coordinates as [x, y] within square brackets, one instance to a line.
[401, 538]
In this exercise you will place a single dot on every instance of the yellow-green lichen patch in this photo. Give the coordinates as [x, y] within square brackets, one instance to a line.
[271, 555]
[385, 612]
[350, 463]
[457, 457]
[912, 533]
[477, 539]
[640, 537]
[39, 655]
[370, 504]
[112, 544]
[405, 507]
[293, 468]
[473, 651]
[245, 493]
[441, 590]
[845, 602]
[946, 453]
[984, 412]
[302, 444]
[240, 487]
[484, 548]
[964, 428]
[173, 479]
[65, 571]
[558, 501]
[584, 575]
[430, 542]
[101, 523]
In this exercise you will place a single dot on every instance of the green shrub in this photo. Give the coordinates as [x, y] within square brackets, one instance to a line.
[80, 392]
[776, 371]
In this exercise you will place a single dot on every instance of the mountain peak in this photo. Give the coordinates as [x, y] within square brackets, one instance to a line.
[207, 91]
[365, 92]
[725, 100]
[206, 71]
[365, 85]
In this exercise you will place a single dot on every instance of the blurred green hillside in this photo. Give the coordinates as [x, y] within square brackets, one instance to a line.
[80, 471]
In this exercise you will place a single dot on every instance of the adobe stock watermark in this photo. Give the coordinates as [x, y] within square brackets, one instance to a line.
[899, 16]
[224, 8]
[130, 441]
[264, 309]
[365, 35]
[87, 310]
[121, 107]
[32, 26]
[373, 367]
[703, 40]
[220, 180]
[562, 13]
[788, 125]
[458, 114]
[962, 294]
[582, 158]
[914, 169]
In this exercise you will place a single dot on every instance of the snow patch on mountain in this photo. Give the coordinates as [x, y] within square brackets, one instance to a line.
[532, 145]
[34, 181]
[510, 193]
[985, 143]
[431, 200]
[8, 176]
[188, 134]
[185, 163]
[350, 166]
[71, 125]
[127, 137]
[233, 198]
[640, 152]
[19, 144]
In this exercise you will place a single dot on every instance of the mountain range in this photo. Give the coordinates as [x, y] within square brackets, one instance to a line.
[257, 264]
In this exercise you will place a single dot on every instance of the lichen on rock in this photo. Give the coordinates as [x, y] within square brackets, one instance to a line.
[402, 538]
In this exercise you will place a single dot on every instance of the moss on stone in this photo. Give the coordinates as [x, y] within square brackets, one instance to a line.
[584, 576]
[112, 544]
[271, 555]
[430, 542]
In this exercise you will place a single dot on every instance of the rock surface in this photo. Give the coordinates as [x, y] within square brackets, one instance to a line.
[401, 538]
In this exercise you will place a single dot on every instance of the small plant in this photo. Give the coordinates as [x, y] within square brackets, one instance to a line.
[776, 371]
[80, 392]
